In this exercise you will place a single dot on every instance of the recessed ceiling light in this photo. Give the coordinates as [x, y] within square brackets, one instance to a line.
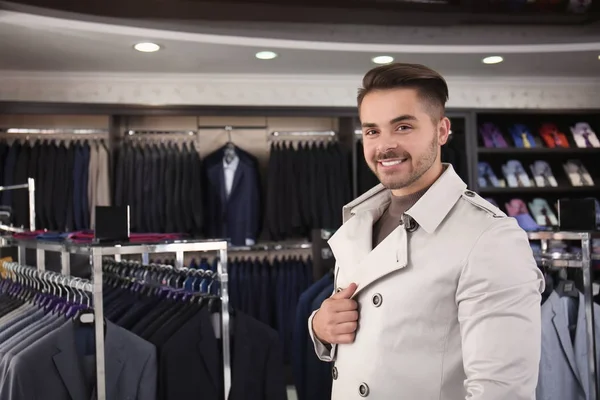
[147, 47]
[493, 60]
[266, 55]
[382, 59]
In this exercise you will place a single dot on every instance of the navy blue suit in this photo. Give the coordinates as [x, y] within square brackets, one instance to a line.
[237, 217]
[301, 340]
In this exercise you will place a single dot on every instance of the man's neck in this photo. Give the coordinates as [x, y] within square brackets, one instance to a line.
[425, 181]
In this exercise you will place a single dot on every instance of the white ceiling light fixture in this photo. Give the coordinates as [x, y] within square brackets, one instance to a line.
[382, 59]
[266, 55]
[147, 47]
[492, 60]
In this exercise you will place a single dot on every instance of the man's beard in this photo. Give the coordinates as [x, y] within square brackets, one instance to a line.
[400, 181]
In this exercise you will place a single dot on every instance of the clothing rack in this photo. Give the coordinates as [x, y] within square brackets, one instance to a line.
[272, 247]
[301, 134]
[97, 252]
[54, 131]
[585, 263]
[134, 132]
[30, 186]
[49, 276]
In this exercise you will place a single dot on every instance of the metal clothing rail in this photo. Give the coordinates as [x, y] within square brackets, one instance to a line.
[277, 134]
[233, 127]
[585, 263]
[134, 132]
[96, 252]
[272, 247]
[54, 131]
[30, 186]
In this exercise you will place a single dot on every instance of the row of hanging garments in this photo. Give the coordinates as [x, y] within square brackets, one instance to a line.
[177, 311]
[47, 342]
[268, 290]
[71, 179]
[564, 366]
[308, 183]
[162, 184]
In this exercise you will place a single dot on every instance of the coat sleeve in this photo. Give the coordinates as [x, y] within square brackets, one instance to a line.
[498, 298]
[325, 353]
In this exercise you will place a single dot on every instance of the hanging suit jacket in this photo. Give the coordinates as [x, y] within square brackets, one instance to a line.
[237, 217]
[440, 318]
[193, 361]
[49, 368]
[564, 370]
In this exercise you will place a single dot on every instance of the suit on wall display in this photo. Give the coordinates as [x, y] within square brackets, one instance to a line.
[161, 183]
[232, 203]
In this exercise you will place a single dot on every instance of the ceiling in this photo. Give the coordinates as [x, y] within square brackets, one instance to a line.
[37, 41]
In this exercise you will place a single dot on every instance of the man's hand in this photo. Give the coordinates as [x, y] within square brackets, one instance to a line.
[337, 319]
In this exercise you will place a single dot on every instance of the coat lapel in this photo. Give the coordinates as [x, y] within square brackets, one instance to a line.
[237, 176]
[219, 176]
[208, 348]
[560, 320]
[67, 363]
[352, 246]
[113, 361]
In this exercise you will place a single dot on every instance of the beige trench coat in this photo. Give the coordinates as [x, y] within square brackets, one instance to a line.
[449, 311]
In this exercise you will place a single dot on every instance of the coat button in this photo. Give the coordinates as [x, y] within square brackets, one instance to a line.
[363, 390]
[377, 299]
[334, 373]
[469, 193]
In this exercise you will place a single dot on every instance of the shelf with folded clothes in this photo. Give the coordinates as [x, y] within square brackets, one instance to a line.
[545, 151]
[535, 175]
[533, 212]
[534, 131]
[537, 190]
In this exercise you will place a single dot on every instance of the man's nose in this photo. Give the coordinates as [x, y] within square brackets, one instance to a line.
[386, 144]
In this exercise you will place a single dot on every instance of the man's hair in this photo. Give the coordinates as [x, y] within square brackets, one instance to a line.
[430, 85]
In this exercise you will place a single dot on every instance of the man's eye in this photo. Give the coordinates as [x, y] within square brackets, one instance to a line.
[403, 127]
[370, 132]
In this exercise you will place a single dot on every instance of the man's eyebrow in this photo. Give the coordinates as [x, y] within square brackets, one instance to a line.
[406, 117]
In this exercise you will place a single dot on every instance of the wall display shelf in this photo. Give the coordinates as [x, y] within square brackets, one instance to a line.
[526, 160]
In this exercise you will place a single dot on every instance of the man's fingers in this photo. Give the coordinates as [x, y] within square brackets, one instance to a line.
[343, 305]
[346, 293]
[346, 316]
[346, 327]
[346, 338]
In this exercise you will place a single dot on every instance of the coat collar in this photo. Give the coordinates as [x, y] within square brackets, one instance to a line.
[352, 244]
[429, 211]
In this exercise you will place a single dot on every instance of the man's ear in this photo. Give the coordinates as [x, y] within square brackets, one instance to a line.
[443, 131]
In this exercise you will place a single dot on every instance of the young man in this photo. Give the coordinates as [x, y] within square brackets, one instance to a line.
[438, 294]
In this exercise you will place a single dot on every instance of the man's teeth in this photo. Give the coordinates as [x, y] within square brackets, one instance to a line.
[392, 163]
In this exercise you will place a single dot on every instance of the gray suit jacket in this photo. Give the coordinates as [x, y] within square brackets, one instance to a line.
[50, 368]
[564, 366]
